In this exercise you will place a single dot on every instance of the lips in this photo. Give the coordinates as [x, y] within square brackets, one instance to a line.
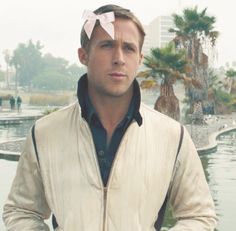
[117, 74]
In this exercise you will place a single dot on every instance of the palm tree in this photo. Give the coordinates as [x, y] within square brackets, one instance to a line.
[168, 65]
[193, 31]
[230, 78]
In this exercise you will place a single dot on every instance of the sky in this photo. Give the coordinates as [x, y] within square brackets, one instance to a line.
[57, 23]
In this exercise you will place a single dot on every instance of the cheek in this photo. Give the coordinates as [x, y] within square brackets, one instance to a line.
[135, 63]
[98, 60]
[134, 67]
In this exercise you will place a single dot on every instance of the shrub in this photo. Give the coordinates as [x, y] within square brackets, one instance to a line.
[223, 97]
[50, 110]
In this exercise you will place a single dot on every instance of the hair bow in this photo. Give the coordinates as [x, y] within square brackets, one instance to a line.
[105, 20]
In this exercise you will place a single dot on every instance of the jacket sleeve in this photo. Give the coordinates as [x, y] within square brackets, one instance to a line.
[26, 206]
[190, 197]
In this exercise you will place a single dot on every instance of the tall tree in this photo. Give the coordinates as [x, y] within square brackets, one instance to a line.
[27, 60]
[57, 74]
[193, 30]
[7, 60]
[52, 75]
[74, 72]
[168, 65]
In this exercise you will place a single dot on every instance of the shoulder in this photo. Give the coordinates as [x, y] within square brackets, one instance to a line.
[158, 120]
[58, 119]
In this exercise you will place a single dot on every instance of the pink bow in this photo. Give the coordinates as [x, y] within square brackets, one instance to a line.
[105, 20]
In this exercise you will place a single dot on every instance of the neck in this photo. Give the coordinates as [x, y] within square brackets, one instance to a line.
[111, 110]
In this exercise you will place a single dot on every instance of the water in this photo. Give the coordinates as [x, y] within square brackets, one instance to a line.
[8, 168]
[220, 170]
[12, 132]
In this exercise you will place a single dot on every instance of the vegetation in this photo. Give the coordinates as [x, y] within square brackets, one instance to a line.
[7, 60]
[35, 71]
[230, 81]
[27, 61]
[225, 102]
[50, 110]
[184, 61]
[193, 30]
[49, 100]
[168, 65]
[219, 95]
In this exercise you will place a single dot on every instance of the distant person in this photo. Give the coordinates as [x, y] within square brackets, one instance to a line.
[12, 103]
[108, 162]
[0, 103]
[18, 103]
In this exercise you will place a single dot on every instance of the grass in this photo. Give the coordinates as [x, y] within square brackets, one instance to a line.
[49, 100]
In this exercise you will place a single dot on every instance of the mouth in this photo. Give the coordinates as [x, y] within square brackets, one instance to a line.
[117, 74]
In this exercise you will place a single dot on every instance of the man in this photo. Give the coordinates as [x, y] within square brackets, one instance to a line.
[18, 103]
[0, 103]
[108, 162]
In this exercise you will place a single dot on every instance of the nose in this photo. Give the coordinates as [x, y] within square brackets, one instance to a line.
[118, 57]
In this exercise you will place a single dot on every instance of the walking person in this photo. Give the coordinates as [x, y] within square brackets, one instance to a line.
[12, 103]
[0, 103]
[18, 103]
[108, 162]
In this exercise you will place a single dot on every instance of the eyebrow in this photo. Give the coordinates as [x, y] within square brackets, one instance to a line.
[111, 41]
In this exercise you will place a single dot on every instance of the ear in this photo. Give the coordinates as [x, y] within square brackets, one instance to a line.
[83, 56]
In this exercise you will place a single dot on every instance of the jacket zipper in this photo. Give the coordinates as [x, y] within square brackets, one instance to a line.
[104, 208]
[105, 188]
[100, 177]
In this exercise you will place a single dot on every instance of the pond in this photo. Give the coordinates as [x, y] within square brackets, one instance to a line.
[12, 132]
[220, 170]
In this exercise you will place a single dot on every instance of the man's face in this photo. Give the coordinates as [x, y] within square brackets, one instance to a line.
[112, 64]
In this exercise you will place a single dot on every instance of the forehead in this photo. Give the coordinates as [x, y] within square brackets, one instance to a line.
[125, 30]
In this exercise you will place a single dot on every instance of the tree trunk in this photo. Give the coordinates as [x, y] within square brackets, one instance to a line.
[197, 96]
[167, 103]
[233, 88]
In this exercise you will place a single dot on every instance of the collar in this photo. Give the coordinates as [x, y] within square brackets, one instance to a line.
[87, 109]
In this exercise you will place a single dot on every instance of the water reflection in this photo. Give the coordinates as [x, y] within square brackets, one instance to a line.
[221, 172]
[11, 132]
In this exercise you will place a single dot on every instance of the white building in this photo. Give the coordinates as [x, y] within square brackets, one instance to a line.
[157, 33]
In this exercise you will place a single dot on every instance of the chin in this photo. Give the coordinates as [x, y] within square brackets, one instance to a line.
[117, 94]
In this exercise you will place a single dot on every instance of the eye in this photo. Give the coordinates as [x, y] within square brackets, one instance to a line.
[129, 48]
[107, 45]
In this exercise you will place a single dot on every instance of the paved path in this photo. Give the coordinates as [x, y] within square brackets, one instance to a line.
[200, 133]
[8, 116]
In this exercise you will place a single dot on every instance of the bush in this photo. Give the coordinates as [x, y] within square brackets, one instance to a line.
[49, 100]
[223, 97]
[233, 105]
[50, 110]
[224, 102]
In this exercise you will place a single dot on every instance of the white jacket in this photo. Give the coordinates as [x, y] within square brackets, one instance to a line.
[67, 180]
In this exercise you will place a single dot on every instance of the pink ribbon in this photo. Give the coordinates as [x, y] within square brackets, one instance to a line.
[105, 20]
